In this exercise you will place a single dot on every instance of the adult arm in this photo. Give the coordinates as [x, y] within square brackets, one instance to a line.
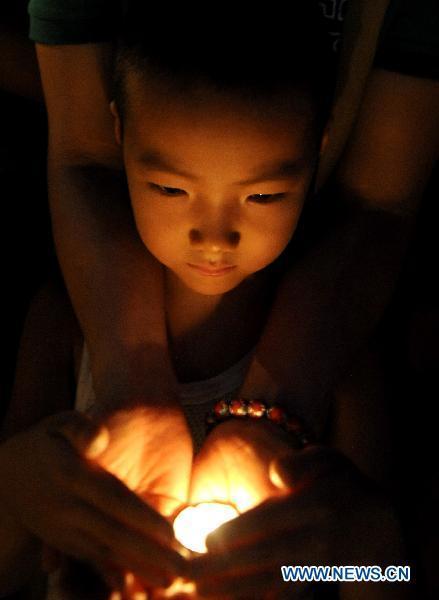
[54, 490]
[40, 389]
[332, 299]
[115, 285]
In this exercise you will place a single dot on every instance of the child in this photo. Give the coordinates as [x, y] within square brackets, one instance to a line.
[220, 141]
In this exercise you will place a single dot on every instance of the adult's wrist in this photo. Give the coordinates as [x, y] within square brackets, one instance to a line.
[258, 411]
[134, 374]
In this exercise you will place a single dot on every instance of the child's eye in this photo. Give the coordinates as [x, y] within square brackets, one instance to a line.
[266, 198]
[166, 191]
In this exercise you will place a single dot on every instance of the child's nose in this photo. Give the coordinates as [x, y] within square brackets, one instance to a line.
[215, 225]
[215, 240]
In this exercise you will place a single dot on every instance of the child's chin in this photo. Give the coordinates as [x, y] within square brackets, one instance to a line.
[206, 285]
[213, 286]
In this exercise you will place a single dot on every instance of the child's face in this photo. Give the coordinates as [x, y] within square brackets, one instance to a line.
[216, 185]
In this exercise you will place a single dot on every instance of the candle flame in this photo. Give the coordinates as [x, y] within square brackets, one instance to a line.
[194, 523]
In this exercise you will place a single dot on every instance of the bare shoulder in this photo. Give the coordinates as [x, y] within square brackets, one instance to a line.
[77, 84]
[395, 142]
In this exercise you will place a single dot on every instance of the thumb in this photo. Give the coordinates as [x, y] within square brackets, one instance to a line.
[297, 469]
[87, 437]
[280, 472]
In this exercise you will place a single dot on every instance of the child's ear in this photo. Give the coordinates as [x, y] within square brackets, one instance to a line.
[117, 122]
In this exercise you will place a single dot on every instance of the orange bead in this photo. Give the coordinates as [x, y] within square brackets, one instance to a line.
[276, 414]
[238, 408]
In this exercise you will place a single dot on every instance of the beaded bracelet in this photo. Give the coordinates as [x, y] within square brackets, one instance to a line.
[256, 409]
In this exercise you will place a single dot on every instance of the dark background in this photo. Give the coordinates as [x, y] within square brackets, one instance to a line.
[409, 331]
[26, 246]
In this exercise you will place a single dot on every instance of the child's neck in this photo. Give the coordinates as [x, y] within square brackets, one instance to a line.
[208, 334]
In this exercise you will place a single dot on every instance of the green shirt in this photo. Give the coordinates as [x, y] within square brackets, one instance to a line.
[74, 21]
[409, 41]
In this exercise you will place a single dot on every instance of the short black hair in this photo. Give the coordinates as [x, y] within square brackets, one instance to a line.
[273, 49]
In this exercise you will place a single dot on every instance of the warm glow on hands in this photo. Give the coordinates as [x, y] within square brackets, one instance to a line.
[194, 523]
[150, 450]
[233, 466]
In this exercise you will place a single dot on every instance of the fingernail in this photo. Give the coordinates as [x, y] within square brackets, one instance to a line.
[116, 596]
[275, 477]
[98, 444]
[280, 473]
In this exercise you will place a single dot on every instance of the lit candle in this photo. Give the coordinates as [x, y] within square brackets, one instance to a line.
[194, 523]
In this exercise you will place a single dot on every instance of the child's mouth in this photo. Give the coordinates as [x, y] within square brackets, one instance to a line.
[212, 271]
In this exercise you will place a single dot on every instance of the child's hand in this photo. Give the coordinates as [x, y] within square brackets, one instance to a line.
[150, 450]
[331, 516]
[76, 507]
[233, 464]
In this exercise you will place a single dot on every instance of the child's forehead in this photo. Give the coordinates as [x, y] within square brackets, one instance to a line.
[217, 136]
[153, 96]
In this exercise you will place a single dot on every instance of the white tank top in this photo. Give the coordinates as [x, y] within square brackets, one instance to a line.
[196, 397]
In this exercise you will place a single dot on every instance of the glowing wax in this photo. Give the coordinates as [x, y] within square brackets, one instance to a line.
[194, 523]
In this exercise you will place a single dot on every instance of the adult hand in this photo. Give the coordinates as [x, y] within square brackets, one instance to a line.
[233, 464]
[150, 450]
[329, 515]
[78, 508]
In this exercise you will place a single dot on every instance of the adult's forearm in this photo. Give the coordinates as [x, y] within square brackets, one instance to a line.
[326, 307]
[331, 301]
[115, 285]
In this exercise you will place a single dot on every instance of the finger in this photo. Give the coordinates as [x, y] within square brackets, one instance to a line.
[254, 585]
[298, 469]
[110, 495]
[165, 505]
[240, 562]
[91, 536]
[87, 437]
[272, 517]
[148, 563]
[156, 564]
[246, 563]
[230, 588]
[111, 512]
[134, 589]
[94, 485]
